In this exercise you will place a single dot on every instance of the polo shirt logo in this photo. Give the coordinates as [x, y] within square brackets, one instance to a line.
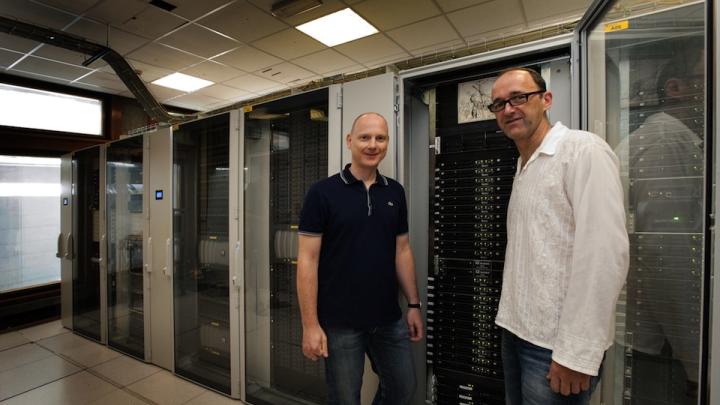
[390, 203]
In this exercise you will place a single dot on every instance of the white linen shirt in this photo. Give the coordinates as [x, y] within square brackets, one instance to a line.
[567, 250]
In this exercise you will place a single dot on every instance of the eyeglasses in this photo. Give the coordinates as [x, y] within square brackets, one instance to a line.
[516, 100]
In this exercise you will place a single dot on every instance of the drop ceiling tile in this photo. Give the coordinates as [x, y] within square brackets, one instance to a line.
[147, 73]
[371, 49]
[487, 17]
[194, 101]
[385, 15]
[537, 10]
[424, 34]
[289, 44]
[18, 44]
[66, 56]
[199, 41]
[152, 23]
[222, 92]
[96, 88]
[51, 68]
[105, 80]
[120, 41]
[285, 73]
[7, 58]
[243, 21]
[192, 9]
[439, 47]
[248, 59]
[116, 11]
[163, 93]
[73, 6]
[37, 76]
[163, 56]
[35, 13]
[252, 83]
[327, 7]
[215, 72]
[452, 5]
[324, 62]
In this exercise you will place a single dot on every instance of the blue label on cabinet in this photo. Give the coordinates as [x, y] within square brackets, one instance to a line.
[66, 201]
[158, 194]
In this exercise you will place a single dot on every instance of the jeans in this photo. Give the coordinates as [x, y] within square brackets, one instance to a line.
[388, 348]
[526, 367]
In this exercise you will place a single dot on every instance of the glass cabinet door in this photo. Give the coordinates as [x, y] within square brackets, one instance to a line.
[124, 207]
[647, 98]
[201, 272]
[285, 153]
[86, 269]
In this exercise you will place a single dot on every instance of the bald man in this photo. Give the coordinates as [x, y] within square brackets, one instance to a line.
[353, 255]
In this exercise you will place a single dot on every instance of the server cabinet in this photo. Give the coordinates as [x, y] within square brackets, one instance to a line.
[459, 193]
[87, 240]
[647, 97]
[65, 246]
[126, 276]
[286, 151]
[203, 266]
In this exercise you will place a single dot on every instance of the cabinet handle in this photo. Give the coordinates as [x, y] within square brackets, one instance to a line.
[69, 248]
[148, 265]
[168, 257]
[59, 246]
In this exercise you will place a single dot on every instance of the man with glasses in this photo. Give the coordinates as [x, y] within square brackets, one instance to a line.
[567, 251]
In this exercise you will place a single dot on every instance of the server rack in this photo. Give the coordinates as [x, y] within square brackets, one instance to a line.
[654, 82]
[286, 146]
[126, 276]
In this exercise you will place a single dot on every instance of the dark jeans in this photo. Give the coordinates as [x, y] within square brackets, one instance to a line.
[388, 348]
[526, 367]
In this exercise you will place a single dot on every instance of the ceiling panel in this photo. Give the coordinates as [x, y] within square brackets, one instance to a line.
[34, 13]
[289, 44]
[148, 73]
[163, 93]
[243, 21]
[18, 44]
[104, 80]
[193, 101]
[192, 9]
[385, 15]
[286, 72]
[37, 76]
[536, 10]
[324, 62]
[7, 58]
[487, 17]
[73, 6]
[215, 72]
[328, 7]
[199, 41]
[223, 92]
[425, 35]
[66, 56]
[120, 41]
[51, 68]
[451, 5]
[371, 49]
[248, 59]
[252, 84]
[152, 23]
[161, 55]
[116, 11]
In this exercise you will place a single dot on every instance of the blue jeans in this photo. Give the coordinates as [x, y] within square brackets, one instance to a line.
[388, 348]
[526, 367]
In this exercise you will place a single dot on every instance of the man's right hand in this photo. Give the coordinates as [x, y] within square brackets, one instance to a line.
[314, 343]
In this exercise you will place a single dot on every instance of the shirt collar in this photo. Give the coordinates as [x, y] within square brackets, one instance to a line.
[347, 177]
[550, 143]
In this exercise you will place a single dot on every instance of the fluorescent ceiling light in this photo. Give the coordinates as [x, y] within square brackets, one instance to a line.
[338, 28]
[179, 81]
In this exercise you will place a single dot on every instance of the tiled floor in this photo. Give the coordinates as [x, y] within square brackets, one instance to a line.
[47, 364]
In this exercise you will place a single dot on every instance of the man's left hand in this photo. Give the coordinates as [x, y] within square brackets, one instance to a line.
[566, 381]
[415, 324]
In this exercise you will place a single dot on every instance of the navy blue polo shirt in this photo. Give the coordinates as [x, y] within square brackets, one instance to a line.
[357, 282]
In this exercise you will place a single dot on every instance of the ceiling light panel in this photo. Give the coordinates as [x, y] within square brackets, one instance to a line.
[182, 82]
[338, 28]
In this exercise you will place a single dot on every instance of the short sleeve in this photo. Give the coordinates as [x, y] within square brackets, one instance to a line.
[403, 219]
[313, 215]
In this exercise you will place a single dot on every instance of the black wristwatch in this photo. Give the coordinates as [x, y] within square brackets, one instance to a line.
[418, 305]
